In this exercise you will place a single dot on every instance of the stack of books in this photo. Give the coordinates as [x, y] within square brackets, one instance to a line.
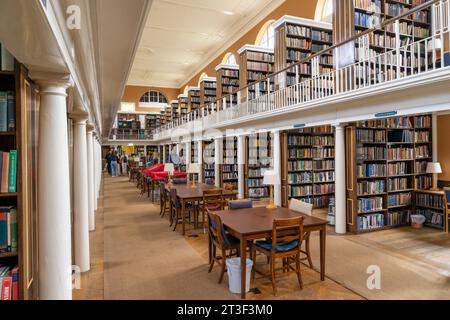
[8, 172]
[8, 229]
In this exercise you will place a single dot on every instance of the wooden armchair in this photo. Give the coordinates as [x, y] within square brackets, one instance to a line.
[305, 208]
[175, 213]
[287, 238]
[164, 199]
[213, 200]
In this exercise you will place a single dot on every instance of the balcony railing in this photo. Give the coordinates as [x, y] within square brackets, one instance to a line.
[365, 68]
[131, 134]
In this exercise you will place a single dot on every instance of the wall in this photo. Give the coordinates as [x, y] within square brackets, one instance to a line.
[134, 94]
[303, 8]
[443, 148]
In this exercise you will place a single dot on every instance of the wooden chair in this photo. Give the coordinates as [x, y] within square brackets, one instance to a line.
[287, 238]
[447, 209]
[222, 241]
[213, 200]
[175, 206]
[163, 199]
[305, 208]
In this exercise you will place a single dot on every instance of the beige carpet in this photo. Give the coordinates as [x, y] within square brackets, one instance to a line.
[143, 258]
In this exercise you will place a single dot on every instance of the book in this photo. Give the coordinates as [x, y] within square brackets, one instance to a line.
[3, 231]
[3, 111]
[15, 283]
[1, 166]
[5, 173]
[13, 228]
[12, 184]
[11, 111]
[6, 288]
[6, 59]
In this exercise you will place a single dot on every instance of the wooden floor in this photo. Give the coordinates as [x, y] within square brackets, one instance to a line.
[122, 209]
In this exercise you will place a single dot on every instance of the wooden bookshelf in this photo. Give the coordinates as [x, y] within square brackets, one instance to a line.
[163, 116]
[209, 170]
[308, 165]
[229, 168]
[431, 204]
[193, 99]
[175, 109]
[152, 122]
[183, 104]
[227, 82]
[259, 159]
[297, 39]
[169, 114]
[386, 163]
[255, 64]
[194, 158]
[208, 92]
[24, 200]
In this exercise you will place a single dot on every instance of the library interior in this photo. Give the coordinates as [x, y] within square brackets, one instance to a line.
[224, 150]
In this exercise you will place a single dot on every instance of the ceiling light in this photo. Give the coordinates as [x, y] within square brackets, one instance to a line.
[228, 13]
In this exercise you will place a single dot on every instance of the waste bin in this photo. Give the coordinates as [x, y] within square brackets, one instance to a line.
[234, 274]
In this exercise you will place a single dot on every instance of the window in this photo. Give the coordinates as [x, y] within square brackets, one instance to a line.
[229, 59]
[153, 97]
[324, 11]
[266, 36]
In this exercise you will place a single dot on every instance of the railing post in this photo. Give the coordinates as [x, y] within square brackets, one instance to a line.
[397, 48]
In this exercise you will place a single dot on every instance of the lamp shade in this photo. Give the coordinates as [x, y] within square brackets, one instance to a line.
[193, 168]
[434, 167]
[271, 178]
[170, 168]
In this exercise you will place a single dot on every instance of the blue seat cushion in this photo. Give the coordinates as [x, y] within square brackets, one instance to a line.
[282, 246]
[236, 205]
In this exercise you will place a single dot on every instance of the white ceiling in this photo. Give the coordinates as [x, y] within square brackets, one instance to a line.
[181, 36]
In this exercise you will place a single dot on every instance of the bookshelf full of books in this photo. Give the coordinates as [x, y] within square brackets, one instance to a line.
[368, 13]
[169, 113]
[227, 83]
[386, 164]
[152, 122]
[259, 159]
[209, 169]
[193, 99]
[229, 168]
[256, 63]
[174, 109]
[194, 157]
[308, 166]
[162, 116]
[296, 39]
[431, 204]
[208, 93]
[183, 104]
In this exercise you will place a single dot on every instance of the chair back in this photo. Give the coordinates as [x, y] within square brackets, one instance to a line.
[174, 198]
[286, 231]
[162, 189]
[213, 199]
[228, 187]
[447, 194]
[300, 206]
[217, 231]
[240, 204]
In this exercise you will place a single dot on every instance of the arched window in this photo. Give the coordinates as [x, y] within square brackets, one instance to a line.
[153, 96]
[266, 36]
[203, 75]
[229, 59]
[324, 11]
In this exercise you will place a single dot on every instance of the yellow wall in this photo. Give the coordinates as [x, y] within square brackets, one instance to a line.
[443, 147]
[134, 94]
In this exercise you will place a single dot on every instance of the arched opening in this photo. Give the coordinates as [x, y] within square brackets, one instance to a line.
[229, 59]
[324, 11]
[153, 97]
[266, 36]
[203, 75]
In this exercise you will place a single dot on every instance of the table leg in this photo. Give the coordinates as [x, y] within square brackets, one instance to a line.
[148, 189]
[323, 235]
[183, 220]
[243, 266]
[209, 248]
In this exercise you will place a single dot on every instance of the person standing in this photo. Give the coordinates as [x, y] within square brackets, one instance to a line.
[124, 164]
[108, 162]
[114, 164]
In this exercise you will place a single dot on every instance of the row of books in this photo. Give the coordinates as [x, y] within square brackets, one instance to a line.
[8, 171]
[7, 111]
[405, 136]
[370, 136]
[298, 43]
[230, 82]
[8, 229]
[230, 73]
[395, 218]
[395, 9]
[318, 35]
[299, 191]
[315, 153]
[9, 283]
[210, 92]
[230, 176]
[399, 168]
[371, 170]
[370, 222]
[302, 165]
[261, 56]
[367, 205]
[368, 5]
[258, 193]
[255, 76]
[324, 188]
[371, 187]
[399, 184]
[308, 140]
[319, 47]
[399, 199]
[296, 30]
[229, 168]
[397, 123]
[371, 153]
[209, 85]
[429, 200]
[432, 217]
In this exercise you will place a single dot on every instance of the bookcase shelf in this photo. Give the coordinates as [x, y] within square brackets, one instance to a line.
[183, 105]
[386, 166]
[259, 159]
[193, 99]
[209, 170]
[308, 166]
[229, 168]
[208, 92]
[227, 82]
[174, 110]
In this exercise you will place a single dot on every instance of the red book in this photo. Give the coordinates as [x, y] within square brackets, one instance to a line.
[6, 288]
[5, 173]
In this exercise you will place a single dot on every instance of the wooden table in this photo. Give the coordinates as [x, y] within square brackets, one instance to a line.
[187, 194]
[257, 223]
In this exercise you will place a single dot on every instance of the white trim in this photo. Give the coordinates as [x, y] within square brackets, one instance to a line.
[227, 66]
[152, 105]
[251, 47]
[303, 22]
[193, 89]
[174, 101]
[208, 79]
[182, 96]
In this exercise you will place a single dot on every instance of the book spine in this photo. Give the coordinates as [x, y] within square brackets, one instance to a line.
[3, 112]
[1, 169]
[3, 232]
[5, 173]
[13, 221]
[12, 183]
[15, 283]
[6, 288]
[8, 231]
[11, 111]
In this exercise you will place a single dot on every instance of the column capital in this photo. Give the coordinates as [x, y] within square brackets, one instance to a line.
[52, 83]
[79, 117]
[338, 125]
[90, 127]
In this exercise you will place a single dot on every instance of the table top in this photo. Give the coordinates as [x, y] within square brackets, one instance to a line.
[260, 220]
[185, 191]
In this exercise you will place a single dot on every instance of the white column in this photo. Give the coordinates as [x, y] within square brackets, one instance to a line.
[80, 197]
[341, 217]
[97, 171]
[276, 153]
[241, 166]
[164, 153]
[54, 221]
[200, 159]
[90, 163]
[188, 155]
[435, 137]
[218, 159]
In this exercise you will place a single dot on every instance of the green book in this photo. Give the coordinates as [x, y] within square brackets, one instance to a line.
[13, 227]
[12, 171]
